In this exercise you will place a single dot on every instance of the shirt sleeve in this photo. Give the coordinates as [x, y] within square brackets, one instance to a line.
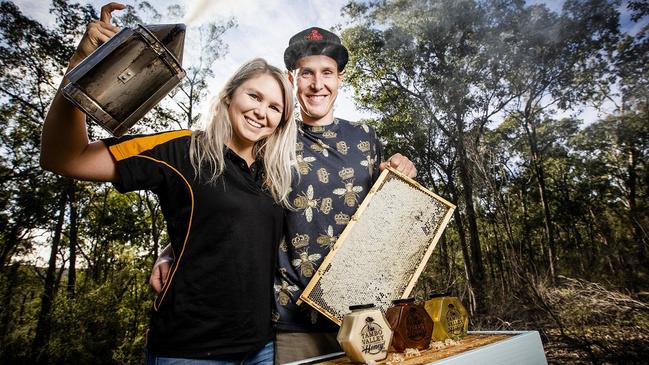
[144, 162]
[377, 150]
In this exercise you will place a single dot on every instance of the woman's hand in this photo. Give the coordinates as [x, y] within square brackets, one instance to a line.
[97, 33]
[65, 148]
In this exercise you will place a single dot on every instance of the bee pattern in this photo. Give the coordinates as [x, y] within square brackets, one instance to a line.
[349, 193]
[369, 163]
[299, 146]
[285, 292]
[306, 263]
[305, 201]
[282, 245]
[327, 240]
[304, 164]
[321, 147]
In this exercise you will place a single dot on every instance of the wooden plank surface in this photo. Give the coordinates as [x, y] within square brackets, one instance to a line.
[470, 342]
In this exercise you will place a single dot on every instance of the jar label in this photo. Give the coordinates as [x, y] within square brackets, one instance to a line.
[415, 328]
[454, 321]
[372, 337]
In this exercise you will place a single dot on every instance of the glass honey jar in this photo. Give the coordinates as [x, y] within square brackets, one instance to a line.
[412, 327]
[449, 315]
[365, 334]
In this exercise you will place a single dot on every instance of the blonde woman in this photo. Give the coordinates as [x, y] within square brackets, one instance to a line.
[222, 191]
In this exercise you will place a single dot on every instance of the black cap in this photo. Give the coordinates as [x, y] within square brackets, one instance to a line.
[315, 41]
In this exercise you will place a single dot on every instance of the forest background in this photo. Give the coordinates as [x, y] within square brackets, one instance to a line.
[552, 227]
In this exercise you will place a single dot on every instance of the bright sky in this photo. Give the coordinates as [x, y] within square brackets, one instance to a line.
[264, 28]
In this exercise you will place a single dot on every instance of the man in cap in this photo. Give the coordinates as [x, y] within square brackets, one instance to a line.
[338, 163]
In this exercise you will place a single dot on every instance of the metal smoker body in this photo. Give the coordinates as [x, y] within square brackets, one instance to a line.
[128, 75]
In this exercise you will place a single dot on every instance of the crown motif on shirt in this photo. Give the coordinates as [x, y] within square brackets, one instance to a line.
[329, 134]
[323, 175]
[364, 146]
[346, 173]
[299, 146]
[314, 35]
[342, 147]
[325, 205]
[341, 218]
[300, 240]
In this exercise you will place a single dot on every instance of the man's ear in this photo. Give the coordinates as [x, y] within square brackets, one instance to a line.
[290, 76]
[341, 76]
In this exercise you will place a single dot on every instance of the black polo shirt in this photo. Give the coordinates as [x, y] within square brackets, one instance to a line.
[218, 296]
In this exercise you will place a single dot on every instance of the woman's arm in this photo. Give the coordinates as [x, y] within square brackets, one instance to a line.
[65, 148]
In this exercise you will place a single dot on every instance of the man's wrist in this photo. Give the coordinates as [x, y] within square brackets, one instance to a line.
[164, 258]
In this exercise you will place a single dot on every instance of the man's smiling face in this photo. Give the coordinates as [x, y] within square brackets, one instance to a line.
[316, 79]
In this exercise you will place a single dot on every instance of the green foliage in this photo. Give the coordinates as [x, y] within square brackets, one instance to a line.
[476, 94]
[101, 316]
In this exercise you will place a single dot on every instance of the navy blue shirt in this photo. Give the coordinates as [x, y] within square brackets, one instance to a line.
[338, 164]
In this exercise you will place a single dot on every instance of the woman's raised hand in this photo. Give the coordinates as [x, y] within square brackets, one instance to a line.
[97, 33]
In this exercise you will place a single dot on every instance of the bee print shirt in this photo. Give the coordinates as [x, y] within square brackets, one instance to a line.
[337, 163]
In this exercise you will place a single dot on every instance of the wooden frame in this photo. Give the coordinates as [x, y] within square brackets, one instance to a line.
[315, 295]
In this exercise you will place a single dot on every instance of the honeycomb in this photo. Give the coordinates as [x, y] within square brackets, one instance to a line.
[382, 251]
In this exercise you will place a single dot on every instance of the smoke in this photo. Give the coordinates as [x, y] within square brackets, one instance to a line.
[201, 11]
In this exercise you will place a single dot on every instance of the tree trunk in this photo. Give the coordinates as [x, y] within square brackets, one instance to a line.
[467, 192]
[8, 294]
[43, 327]
[632, 187]
[72, 268]
[539, 172]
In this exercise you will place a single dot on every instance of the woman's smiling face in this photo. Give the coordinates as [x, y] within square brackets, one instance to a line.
[255, 110]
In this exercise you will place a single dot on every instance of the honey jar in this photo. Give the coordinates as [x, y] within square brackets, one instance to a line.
[449, 316]
[412, 327]
[365, 334]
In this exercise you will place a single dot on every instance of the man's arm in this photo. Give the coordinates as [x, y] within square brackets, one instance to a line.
[161, 269]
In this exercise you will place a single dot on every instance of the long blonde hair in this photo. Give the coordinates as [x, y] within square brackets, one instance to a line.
[277, 150]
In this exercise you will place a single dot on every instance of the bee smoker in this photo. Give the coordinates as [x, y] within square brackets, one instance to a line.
[128, 75]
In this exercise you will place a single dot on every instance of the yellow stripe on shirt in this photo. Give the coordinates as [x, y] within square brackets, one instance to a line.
[135, 146]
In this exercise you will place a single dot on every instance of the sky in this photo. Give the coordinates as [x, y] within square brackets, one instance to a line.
[264, 28]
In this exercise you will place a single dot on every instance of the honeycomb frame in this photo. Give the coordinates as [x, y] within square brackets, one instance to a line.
[404, 234]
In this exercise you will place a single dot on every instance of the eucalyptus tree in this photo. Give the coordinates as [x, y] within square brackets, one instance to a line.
[561, 61]
[615, 151]
[434, 72]
[33, 204]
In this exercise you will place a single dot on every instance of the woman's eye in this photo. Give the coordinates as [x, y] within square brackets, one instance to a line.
[276, 108]
[254, 96]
